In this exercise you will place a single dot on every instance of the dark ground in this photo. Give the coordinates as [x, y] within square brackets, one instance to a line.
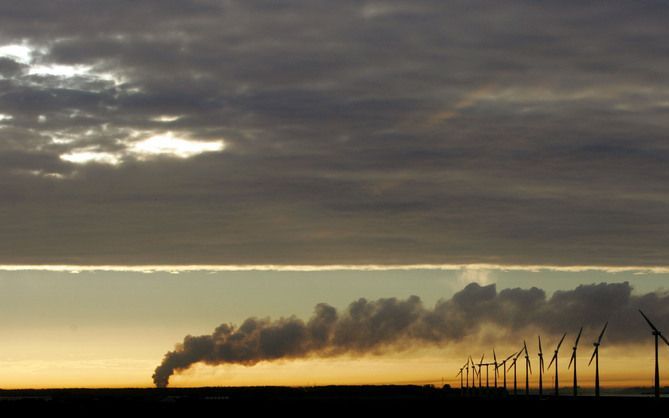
[325, 400]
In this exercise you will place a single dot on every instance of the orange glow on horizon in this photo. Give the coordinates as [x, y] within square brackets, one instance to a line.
[616, 371]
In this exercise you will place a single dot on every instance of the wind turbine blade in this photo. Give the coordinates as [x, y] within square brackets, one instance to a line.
[578, 338]
[593, 355]
[648, 320]
[511, 365]
[481, 362]
[573, 355]
[560, 343]
[525, 348]
[552, 360]
[599, 340]
[494, 356]
[541, 363]
[529, 365]
[508, 358]
[459, 373]
[540, 350]
[664, 339]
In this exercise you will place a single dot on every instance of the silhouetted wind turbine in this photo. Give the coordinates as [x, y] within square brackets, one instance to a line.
[513, 364]
[657, 335]
[471, 361]
[503, 365]
[557, 371]
[480, 365]
[541, 369]
[573, 360]
[467, 368]
[595, 355]
[461, 378]
[528, 370]
[487, 380]
[494, 356]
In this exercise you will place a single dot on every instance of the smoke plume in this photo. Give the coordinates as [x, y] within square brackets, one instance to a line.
[392, 324]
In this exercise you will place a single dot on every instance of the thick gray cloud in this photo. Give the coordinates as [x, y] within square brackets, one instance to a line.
[361, 132]
[383, 325]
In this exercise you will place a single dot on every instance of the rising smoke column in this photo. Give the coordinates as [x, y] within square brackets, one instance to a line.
[391, 324]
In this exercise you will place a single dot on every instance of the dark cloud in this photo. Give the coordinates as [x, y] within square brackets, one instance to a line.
[369, 132]
[367, 327]
[10, 68]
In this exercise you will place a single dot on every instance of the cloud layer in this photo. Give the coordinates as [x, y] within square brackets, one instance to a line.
[304, 133]
[367, 327]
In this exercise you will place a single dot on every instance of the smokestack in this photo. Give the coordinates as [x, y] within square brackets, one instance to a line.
[392, 324]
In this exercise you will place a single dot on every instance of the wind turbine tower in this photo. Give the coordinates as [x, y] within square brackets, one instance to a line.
[513, 364]
[541, 369]
[595, 355]
[487, 379]
[467, 368]
[557, 371]
[503, 364]
[657, 335]
[494, 356]
[528, 370]
[573, 360]
[480, 371]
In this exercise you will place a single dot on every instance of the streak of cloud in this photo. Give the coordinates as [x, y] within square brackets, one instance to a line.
[480, 273]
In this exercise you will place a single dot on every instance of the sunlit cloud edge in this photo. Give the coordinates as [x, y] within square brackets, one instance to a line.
[185, 268]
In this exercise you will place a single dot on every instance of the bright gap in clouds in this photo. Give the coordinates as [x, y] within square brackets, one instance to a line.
[25, 54]
[166, 118]
[20, 53]
[59, 70]
[169, 145]
[85, 157]
[163, 145]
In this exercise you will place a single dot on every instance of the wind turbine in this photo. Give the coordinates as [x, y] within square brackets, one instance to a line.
[557, 371]
[494, 356]
[467, 368]
[461, 378]
[657, 335]
[471, 360]
[503, 365]
[480, 365]
[541, 369]
[513, 364]
[528, 370]
[573, 360]
[595, 355]
[487, 380]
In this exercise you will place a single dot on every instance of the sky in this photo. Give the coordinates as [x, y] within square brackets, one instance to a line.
[279, 155]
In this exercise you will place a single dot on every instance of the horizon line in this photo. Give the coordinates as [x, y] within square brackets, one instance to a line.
[185, 268]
